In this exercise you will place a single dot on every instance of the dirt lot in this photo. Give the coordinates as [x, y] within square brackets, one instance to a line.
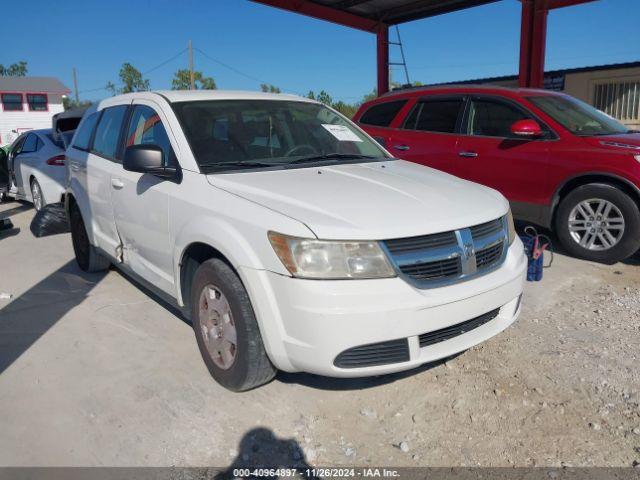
[93, 371]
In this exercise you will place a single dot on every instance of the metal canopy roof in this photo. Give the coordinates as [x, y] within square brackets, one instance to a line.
[398, 11]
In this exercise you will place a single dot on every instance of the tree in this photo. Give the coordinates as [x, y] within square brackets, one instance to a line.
[266, 87]
[130, 79]
[182, 81]
[69, 103]
[14, 70]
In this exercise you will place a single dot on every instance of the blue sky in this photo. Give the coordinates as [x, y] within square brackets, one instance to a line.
[296, 53]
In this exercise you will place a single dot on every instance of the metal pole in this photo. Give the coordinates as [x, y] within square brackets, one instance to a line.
[75, 85]
[192, 78]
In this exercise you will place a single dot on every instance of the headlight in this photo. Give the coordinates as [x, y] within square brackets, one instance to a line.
[511, 227]
[637, 157]
[308, 258]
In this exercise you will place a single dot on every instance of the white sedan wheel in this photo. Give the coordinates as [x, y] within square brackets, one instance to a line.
[36, 194]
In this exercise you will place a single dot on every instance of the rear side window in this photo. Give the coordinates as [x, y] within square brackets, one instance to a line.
[107, 135]
[83, 138]
[437, 115]
[31, 144]
[382, 114]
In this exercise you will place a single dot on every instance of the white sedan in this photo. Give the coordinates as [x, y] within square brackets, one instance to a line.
[36, 165]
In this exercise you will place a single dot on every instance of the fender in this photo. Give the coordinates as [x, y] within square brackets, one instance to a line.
[221, 235]
[602, 175]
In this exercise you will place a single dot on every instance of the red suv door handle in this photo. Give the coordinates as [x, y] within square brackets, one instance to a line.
[468, 154]
[401, 147]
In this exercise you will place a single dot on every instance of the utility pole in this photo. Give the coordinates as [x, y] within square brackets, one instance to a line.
[192, 77]
[75, 85]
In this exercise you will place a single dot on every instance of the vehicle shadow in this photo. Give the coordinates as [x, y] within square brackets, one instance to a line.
[320, 382]
[22, 207]
[155, 295]
[30, 315]
[260, 448]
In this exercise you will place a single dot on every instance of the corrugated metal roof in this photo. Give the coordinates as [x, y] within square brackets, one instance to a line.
[399, 11]
[33, 85]
[563, 71]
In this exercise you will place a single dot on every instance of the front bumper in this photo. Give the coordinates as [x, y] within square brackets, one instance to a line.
[306, 324]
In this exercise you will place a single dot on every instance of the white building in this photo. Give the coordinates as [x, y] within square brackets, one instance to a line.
[28, 103]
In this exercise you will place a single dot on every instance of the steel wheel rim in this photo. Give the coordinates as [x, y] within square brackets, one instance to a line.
[596, 224]
[216, 323]
[36, 194]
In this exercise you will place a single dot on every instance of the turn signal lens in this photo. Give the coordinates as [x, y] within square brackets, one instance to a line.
[326, 259]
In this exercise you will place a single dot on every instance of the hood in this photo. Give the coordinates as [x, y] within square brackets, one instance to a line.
[368, 201]
[629, 141]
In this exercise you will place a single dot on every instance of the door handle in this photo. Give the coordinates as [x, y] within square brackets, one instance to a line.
[401, 147]
[468, 154]
[117, 183]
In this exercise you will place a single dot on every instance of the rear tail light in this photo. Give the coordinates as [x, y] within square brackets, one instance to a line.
[58, 160]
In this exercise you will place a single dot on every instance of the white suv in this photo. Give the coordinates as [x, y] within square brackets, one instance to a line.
[288, 236]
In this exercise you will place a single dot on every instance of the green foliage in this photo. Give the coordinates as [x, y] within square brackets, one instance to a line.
[182, 81]
[69, 103]
[266, 87]
[130, 79]
[14, 70]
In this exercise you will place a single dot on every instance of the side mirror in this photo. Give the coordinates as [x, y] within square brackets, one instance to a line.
[526, 128]
[147, 159]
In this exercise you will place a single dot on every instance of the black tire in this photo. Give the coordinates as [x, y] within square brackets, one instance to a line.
[251, 366]
[627, 245]
[87, 256]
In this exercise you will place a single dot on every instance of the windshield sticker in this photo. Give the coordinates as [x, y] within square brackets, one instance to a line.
[342, 133]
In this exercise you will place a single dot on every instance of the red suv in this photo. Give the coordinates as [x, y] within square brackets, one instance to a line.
[561, 163]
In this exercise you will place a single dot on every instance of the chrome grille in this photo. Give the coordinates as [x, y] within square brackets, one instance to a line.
[412, 244]
[433, 270]
[488, 256]
[439, 259]
[486, 229]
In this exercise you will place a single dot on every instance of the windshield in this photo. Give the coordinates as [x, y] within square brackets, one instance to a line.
[230, 135]
[577, 116]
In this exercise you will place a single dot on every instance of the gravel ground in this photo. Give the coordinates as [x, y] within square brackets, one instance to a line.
[95, 372]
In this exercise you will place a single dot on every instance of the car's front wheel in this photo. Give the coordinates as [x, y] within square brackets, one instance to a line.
[599, 222]
[226, 328]
[36, 195]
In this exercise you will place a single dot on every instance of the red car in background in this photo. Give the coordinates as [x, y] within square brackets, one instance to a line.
[560, 162]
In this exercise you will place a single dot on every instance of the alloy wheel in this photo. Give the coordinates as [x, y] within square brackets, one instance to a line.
[36, 194]
[596, 224]
[217, 326]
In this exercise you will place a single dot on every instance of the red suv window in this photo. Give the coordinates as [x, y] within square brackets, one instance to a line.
[435, 115]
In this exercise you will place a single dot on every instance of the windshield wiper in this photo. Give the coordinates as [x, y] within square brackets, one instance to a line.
[238, 163]
[330, 156]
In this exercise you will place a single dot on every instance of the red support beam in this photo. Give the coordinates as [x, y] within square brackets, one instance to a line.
[383, 58]
[553, 4]
[321, 12]
[533, 39]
